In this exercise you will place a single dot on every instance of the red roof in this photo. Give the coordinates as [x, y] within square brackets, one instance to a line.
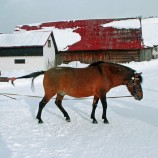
[96, 37]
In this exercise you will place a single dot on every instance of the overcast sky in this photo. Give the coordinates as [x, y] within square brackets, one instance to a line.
[17, 12]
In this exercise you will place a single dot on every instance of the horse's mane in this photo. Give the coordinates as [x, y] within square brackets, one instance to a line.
[116, 68]
[96, 63]
[112, 64]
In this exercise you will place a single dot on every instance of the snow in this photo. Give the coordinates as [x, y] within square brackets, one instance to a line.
[65, 37]
[127, 24]
[24, 39]
[132, 132]
[150, 31]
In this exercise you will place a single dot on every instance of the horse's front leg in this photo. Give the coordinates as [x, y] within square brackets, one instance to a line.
[94, 106]
[104, 104]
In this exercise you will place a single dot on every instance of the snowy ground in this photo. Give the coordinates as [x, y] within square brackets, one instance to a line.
[132, 132]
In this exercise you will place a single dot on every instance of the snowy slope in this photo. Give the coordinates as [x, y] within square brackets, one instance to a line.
[132, 132]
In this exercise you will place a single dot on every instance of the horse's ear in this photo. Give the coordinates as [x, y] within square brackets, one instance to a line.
[138, 77]
[137, 74]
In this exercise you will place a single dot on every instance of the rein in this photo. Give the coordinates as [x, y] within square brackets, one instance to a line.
[34, 96]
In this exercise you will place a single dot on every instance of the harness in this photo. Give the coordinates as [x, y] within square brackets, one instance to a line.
[133, 83]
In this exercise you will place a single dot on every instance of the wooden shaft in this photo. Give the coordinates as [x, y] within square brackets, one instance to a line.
[4, 79]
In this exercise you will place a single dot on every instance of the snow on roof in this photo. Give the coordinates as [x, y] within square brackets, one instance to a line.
[64, 37]
[24, 39]
[89, 35]
[150, 31]
[149, 28]
[85, 34]
[127, 24]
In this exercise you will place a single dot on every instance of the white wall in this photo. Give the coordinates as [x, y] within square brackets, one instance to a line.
[49, 55]
[31, 63]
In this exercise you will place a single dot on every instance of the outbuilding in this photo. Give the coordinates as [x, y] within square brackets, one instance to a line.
[27, 51]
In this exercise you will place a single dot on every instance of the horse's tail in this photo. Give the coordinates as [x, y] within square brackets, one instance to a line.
[32, 75]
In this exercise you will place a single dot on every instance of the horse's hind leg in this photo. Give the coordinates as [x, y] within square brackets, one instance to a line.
[94, 106]
[58, 102]
[42, 104]
[104, 104]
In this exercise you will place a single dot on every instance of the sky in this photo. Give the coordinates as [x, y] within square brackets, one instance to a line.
[19, 12]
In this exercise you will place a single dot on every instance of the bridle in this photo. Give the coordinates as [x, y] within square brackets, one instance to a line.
[133, 83]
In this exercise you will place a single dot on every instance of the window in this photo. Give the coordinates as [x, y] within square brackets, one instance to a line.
[49, 43]
[156, 48]
[19, 61]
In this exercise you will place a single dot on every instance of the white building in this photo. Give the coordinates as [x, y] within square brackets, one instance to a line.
[27, 51]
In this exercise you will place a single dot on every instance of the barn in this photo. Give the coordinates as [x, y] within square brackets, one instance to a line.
[115, 40]
[28, 51]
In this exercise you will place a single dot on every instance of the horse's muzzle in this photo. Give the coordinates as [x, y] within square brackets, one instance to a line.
[138, 97]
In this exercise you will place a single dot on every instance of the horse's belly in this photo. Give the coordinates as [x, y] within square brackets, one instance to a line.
[79, 92]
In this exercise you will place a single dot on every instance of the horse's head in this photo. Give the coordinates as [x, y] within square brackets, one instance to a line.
[134, 86]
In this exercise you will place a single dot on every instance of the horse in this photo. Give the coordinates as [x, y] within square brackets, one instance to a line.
[94, 80]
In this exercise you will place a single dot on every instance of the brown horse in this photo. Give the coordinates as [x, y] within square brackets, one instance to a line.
[95, 80]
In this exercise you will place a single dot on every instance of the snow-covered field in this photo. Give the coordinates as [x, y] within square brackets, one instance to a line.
[132, 132]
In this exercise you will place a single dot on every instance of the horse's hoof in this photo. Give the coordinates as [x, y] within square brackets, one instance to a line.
[95, 122]
[106, 121]
[40, 121]
[68, 120]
